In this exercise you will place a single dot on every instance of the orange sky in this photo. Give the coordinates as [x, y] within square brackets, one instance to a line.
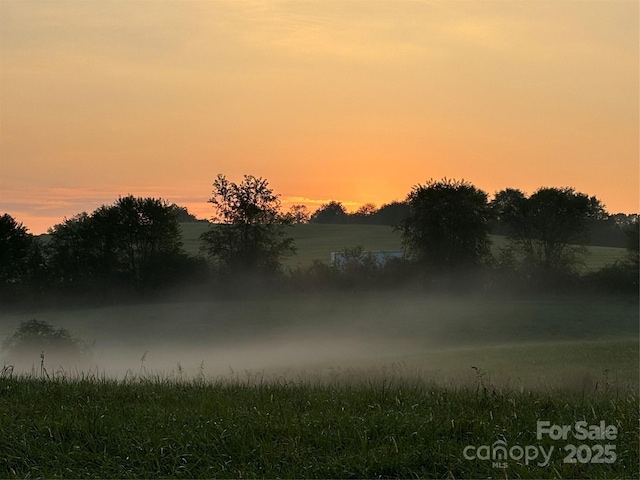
[351, 101]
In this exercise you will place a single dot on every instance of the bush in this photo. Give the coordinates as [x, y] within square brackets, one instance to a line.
[35, 339]
[621, 277]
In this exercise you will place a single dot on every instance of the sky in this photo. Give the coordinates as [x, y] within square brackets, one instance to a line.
[353, 101]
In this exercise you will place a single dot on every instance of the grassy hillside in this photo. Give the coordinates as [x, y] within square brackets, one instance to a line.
[315, 241]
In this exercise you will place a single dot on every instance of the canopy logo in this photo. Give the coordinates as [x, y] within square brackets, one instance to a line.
[500, 453]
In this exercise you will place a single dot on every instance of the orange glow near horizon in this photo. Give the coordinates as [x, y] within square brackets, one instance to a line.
[348, 101]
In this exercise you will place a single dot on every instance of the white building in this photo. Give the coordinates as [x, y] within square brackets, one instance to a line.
[339, 259]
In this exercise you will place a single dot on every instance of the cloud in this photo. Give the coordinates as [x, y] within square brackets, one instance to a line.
[40, 209]
[315, 201]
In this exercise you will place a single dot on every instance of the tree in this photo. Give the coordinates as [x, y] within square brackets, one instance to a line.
[134, 240]
[448, 224]
[249, 234]
[35, 338]
[332, 212]
[364, 215]
[79, 250]
[298, 214]
[393, 214]
[366, 210]
[20, 255]
[632, 232]
[183, 215]
[148, 231]
[550, 228]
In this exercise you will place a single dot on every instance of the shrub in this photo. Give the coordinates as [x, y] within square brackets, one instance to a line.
[35, 339]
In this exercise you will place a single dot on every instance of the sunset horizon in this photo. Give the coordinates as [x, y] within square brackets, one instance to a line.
[344, 101]
[73, 202]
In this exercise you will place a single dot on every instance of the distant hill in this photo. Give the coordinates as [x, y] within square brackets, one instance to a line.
[317, 241]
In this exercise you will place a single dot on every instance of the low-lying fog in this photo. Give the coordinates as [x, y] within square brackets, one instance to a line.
[319, 334]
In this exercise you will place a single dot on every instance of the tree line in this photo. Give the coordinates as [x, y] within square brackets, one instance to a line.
[135, 244]
[606, 231]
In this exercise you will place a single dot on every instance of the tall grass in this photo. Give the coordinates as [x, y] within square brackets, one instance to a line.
[150, 426]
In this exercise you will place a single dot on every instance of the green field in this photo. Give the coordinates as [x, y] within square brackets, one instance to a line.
[324, 385]
[321, 332]
[153, 427]
[316, 241]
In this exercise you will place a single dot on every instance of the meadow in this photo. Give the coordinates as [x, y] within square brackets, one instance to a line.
[327, 385]
[150, 427]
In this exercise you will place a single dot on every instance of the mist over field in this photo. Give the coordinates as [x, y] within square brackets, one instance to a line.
[449, 339]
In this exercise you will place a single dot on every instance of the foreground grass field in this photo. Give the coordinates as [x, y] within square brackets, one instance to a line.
[151, 427]
[329, 386]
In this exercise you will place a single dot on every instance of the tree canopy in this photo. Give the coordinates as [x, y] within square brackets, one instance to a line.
[249, 235]
[549, 228]
[133, 240]
[448, 224]
[19, 252]
[332, 212]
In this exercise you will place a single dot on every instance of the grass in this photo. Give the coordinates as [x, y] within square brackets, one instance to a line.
[153, 427]
[336, 386]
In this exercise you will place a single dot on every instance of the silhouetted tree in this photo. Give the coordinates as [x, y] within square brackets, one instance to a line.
[249, 234]
[20, 255]
[448, 224]
[183, 215]
[131, 240]
[365, 215]
[632, 233]
[80, 249]
[332, 212]
[148, 233]
[298, 214]
[393, 214]
[34, 339]
[550, 228]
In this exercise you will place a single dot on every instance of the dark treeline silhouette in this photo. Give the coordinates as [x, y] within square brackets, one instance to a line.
[605, 231]
[391, 214]
[133, 247]
[184, 216]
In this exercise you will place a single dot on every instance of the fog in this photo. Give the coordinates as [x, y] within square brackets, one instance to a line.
[326, 336]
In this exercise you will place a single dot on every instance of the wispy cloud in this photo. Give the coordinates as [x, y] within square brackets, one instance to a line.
[40, 209]
[294, 200]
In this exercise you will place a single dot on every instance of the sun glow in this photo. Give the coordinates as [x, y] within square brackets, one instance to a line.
[353, 102]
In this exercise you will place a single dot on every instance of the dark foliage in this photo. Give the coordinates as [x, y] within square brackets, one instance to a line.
[132, 241]
[34, 339]
[183, 215]
[392, 214]
[249, 234]
[448, 225]
[358, 271]
[20, 255]
[332, 212]
[549, 229]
